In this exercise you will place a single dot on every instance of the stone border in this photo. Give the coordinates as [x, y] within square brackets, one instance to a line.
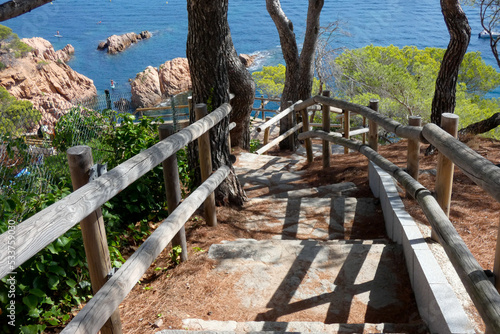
[437, 303]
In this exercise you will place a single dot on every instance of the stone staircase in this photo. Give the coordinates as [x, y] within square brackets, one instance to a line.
[317, 272]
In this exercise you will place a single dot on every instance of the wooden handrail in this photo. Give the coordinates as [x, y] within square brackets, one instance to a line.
[277, 140]
[484, 295]
[277, 117]
[91, 318]
[480, 170]
[161, 108]
[404, 131]
[41, 229]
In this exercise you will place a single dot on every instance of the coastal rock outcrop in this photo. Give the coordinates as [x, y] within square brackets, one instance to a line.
[172, 78]
[145, 88]
[247, 60]
[175, 77]
[43, 49]
[118, 43]
[43, 78]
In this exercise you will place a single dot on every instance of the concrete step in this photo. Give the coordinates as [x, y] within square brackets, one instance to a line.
[334, 281]
[199, 326]
[315, 218]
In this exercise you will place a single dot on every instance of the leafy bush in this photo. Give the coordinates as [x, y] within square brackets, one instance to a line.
[271, 81]
[80, 126]
[145, 198]
[51, 283]
[16, 116]
[403, 79]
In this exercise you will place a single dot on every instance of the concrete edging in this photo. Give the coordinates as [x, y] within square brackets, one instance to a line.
[437, 303]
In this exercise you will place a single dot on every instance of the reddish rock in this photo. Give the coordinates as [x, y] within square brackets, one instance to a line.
[247, 60]
[175, 77]
[145, 88]
[43, 78]
[118, 43]
[44, 50]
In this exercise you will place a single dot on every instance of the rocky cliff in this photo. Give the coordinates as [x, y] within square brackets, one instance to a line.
[152, 85]
[118, 43]
[43, 78]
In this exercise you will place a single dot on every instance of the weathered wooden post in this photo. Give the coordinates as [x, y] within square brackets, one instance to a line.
[206, 165]
[173, 189]
[413, 157]
[94, 234]
[326, 127]
[373, 127]
[292, 121]
[262, 106]
[266, 133]
[306, 128]
[347, 127]
[445, 168]
[364, 126]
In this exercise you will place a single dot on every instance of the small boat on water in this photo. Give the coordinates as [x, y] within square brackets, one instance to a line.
[485, 34]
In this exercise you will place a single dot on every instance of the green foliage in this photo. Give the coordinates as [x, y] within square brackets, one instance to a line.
[403, 79]
[52, 282]
[270, 81]
[175, 254]
[145, 198]
[80, 126]
[11, 43]
[16, 116]
[254, 145]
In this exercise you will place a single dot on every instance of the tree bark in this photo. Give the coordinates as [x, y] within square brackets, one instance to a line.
[207, 42]
[11, 9]
[479, 127]
[446, 83]
[242, 86]
[299, 68]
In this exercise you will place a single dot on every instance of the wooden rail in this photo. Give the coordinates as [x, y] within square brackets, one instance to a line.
[41, 229]
[276, 118]
[483, 172]
[91, 318]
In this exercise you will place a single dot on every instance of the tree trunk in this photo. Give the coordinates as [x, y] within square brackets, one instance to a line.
[206, 49]
[299, 69]
[242, 86]
[480, 127]
[446, 83]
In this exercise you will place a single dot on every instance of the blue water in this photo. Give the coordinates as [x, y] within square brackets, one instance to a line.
[397, 22]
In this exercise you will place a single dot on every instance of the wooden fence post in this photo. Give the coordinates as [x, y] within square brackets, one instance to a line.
[413, 156]
[266, 133]
[347, 127]
[326, 127]
[445, 168]
[305, 128]
[173, 189]
[206, 165]
[292, 121]
[496, 263]
[93, 232]
[373, 127]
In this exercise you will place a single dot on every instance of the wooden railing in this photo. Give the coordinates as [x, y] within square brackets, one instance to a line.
[38, 231]
[308, 115]
[483, 172]
[262, 108]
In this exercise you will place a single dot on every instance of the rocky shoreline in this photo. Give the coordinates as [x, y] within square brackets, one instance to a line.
[154, 85]
[43, 78]
[118, 43]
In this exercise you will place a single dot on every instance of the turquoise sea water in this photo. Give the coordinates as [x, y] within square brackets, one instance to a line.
[398, 22]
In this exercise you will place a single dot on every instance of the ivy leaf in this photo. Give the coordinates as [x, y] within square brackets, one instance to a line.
[38, 293]
[57, 270]
[31, 301]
